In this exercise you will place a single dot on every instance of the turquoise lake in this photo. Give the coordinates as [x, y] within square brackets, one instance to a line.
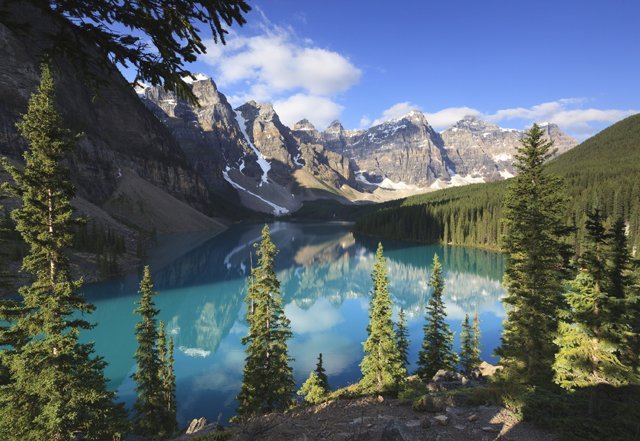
[325, 275]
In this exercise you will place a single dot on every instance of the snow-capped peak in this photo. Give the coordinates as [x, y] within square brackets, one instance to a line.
[196, 77]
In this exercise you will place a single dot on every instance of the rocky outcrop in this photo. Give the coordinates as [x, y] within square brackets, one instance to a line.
[119, 135]
[404, 150]
[479, 149]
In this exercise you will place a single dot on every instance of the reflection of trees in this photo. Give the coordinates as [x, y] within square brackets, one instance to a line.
[202, 292]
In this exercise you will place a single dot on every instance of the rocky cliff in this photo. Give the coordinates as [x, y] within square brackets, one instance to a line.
[247, 151]
[121, 140]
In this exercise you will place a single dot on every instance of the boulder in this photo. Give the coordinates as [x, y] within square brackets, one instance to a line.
[197, 425]
[485, 370]
[443, 420]
[432, 403]
[444, 375]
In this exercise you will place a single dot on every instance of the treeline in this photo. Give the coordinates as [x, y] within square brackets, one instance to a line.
[602, 172]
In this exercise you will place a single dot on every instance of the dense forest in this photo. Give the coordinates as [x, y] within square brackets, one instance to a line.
[603, 172]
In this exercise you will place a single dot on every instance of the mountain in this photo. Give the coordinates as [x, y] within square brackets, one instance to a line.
[126, 164]
[247, 153]
[603, 172]
[408, 153]
[481, 149]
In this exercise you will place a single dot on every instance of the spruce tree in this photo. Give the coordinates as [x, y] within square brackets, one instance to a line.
[322, 375]
[437, 346]
[267, 383]
[149, 406]
[382, 368]
[313, 390]
[466, 347]
[536, 263]
[475, 340]
[168, 379]
[55, 388]
[587, 357]
[402, 334]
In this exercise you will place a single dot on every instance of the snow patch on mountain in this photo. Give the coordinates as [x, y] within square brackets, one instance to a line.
[503, 157]
[262, 162]
[277, 209]
[196, 77]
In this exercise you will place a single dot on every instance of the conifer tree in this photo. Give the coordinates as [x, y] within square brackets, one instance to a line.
[322, 375]
[55, 388]
[466, 347]
[536, 263]
[402, 335]
[382, 368]
[168, 379]
[312, 390]
[587, 358]
[267, 382]
[437, 346]
[149, 406]
[475, 340]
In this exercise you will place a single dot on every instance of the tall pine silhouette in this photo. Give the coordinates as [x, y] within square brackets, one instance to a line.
[56, 388]
[149, 406]
[382, 366]
[437, 345]
[535, 268]
[168, 379]
[267, 382]
[402, 334]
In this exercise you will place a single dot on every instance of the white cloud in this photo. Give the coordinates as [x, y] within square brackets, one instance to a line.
[280, 61]
[321, 316]
[445, 118]
[395, 111]
[317, 109]
[566, 113]
[365, 121]
[278, 66]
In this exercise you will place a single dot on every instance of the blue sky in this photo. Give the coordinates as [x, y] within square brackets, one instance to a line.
[576, 63]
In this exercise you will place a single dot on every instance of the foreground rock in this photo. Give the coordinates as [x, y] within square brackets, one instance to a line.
[367, 419]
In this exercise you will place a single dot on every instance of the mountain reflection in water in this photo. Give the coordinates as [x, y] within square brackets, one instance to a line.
[326, 278]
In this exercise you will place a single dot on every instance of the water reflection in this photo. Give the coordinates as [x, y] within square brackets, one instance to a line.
[325, 275]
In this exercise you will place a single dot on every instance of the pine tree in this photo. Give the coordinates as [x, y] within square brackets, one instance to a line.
[437, 346]
[466, 347]
[149, 406]
[382, 368]
[536, 261]
[322, 375]
[402, 335]
[56, 387]
[267, 383]
[313, 390]
[586, 358]
[475, 341]
[168, 379]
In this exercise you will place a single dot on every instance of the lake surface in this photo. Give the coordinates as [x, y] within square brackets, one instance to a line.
[325, 276]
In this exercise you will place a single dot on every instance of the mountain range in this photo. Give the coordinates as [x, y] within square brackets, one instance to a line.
[274, 168]
[148, 160]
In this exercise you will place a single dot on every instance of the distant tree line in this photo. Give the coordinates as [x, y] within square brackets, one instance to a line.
[603, 172]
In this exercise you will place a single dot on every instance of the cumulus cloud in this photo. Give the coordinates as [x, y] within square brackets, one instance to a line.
[317, 109]
[395, 111]
[321, 316]
[445, 118]
[276, 65]
[566, 112]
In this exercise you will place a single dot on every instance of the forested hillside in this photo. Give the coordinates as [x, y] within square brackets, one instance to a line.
[604, 172]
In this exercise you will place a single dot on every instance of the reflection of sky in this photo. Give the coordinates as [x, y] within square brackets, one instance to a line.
[325, 276]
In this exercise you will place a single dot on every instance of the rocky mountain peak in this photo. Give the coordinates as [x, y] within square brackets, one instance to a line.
[304, 124]
[335, 127]
[473, 124]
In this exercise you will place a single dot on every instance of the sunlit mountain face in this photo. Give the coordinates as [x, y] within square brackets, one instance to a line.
[325, 273]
